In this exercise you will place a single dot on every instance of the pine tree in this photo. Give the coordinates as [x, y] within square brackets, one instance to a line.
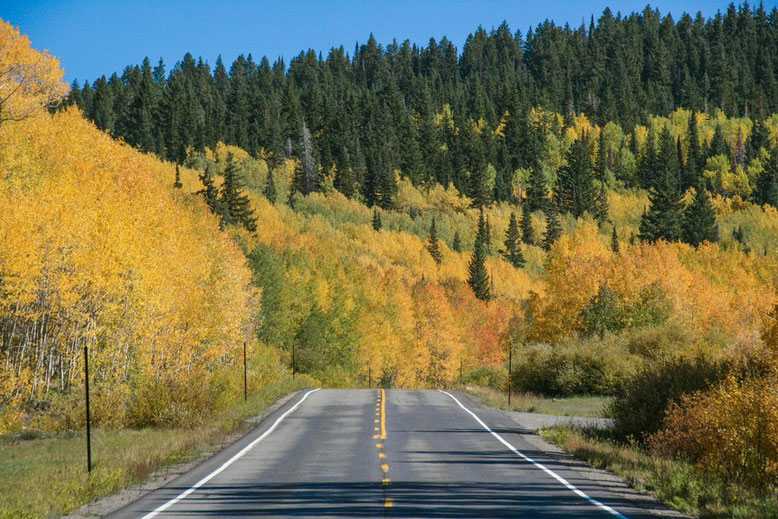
[699, 220]
[482, 185]
[759, 138]
[527, 232]
[376, 220]
[537, 190]
[615, 241]
[767, 183]
[433, 243]
[456, 245]
[236, 205]
[177, 184]
[602, 206]
[478, 278]
[553, 228]
[647, 163]
[718, 146]
[270, 188]
[488, 237]
[693, 166]
[664, 217]
[575, 181]
[512, 250]
[345, 179]
[210, 192]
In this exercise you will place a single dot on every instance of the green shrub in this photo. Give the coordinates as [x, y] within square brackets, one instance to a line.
[573, 367]
[487, 376]
[639, 407]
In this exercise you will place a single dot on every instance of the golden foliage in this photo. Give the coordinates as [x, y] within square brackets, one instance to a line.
[97, 249]
[731, 431]
[29, 79]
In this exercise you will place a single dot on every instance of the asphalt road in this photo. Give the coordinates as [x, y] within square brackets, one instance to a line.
[369, 453]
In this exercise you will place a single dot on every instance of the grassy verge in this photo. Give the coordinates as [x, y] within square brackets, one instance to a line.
[588, 406]
[679, 484]
[46, 476]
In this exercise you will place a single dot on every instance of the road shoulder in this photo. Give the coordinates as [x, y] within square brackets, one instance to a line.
[527, 427]
[115, 502]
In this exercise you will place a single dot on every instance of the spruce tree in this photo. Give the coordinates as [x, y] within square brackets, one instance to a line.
[456, 245]
[615, 241]
[433, 243]
[575, 182]
[527, 232]
[693, 166]
[210, 192]
[663, 220]
[270, 188]
[767, 182]
[236, 205]
[537, 190]
[177, 184]
[553, 228]
[699, 220]
[512, 250]
[478, 278]
[759, 138]
[482, 181]
[345, 179]
[602, 206]
[376, 220]
[718, 146]
[647, 163]
[487, 237]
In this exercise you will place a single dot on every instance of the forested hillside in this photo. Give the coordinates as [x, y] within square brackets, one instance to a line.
[600, 201]
[442, 114]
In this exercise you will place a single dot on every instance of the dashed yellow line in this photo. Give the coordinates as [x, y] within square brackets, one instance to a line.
[381, 411]
[383, 414]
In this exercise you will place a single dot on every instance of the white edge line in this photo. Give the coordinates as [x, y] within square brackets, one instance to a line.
[538, 465]
[229, 462]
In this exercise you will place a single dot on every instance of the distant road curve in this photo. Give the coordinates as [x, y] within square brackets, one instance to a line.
[390, 453]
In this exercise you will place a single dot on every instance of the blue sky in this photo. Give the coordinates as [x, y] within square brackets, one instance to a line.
[98, 37]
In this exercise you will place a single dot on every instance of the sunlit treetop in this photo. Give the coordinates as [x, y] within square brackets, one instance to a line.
[29, 79]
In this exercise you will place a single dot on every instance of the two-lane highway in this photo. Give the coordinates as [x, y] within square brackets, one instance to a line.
[376, 453]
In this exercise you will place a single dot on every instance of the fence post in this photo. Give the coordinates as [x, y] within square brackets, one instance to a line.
[245, 375]
[510, 373]
[88, 417]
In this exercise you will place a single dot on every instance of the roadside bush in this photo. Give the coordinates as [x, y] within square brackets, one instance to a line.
[730, 431]
[639, 407]
[487, 376]
[168, 400]
[574, 367]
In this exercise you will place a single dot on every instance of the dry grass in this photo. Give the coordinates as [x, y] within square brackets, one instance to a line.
[45, 475]
[677, 483]
[587, 406]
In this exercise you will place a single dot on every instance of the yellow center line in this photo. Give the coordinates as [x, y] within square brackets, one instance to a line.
[385, 468]
[383, 414]
[388, 503]
[381, 455]
[379, 445]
